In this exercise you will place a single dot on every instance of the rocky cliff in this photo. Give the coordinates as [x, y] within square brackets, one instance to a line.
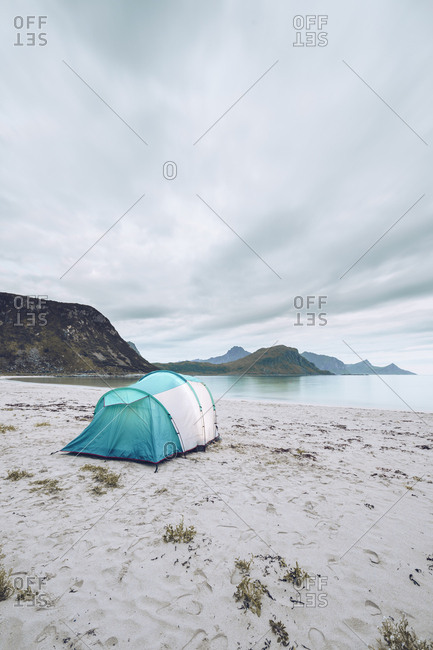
[39, 336]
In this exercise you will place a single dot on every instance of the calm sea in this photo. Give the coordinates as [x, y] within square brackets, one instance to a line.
[395, 392]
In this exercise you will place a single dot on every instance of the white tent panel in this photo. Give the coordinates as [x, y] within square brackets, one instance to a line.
[209, 414]
[183, 407]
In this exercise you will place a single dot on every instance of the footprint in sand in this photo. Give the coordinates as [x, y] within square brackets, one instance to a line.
[204, 584]
[235, 577]
[317, 638]
[75, 586]
[188, 605]
[309, 508]
[49, 630]
[374, 558]
[219, 642]
[372, 608]
[197, 642]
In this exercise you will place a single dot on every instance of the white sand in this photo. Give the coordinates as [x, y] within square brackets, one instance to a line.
[113, 582]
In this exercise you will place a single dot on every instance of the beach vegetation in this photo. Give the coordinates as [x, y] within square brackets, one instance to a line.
[17, 474]
[179, 533]
[250, 593]
[42, 424]
[25, 594]
[244, 565]
[279, 629]
[98, 490]
[397, 636]
[46, 485]
[296, 575]
[6, 587]
[103, 478]
[7, 427]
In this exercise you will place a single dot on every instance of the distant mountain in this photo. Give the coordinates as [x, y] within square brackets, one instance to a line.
[49, 337]
[277, 360]
[337, 367]
[134, 347]
[323, 362]
[366, 368]
[233, 354]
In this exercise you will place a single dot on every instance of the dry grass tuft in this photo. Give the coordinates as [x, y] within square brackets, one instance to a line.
[397, 636]
[6, 587]
[7, 427]
[46, 486]
[179, 533]
[250, 594]
[103, 477]
[17, 474]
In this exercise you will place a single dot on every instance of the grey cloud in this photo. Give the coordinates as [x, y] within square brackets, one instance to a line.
[310, 167]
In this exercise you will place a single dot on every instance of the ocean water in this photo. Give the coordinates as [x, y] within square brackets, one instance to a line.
[390, 392]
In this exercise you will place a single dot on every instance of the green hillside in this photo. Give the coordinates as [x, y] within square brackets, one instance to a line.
[277, 360]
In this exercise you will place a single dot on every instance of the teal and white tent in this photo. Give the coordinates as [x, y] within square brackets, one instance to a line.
[163, 414]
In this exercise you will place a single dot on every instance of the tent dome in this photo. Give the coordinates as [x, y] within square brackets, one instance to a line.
[162, 414]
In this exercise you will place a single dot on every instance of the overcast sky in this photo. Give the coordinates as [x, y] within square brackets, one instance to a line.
[327, 150]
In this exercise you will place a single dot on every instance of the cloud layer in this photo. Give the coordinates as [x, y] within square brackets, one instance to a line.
[310, 168]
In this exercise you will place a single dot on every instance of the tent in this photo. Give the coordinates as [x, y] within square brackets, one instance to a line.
[162, 414]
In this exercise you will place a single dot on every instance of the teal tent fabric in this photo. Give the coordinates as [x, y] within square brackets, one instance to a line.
[128, 424]
[162, 414]
[160, 381]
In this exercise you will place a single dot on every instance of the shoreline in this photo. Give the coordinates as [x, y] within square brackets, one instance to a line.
[263, 400]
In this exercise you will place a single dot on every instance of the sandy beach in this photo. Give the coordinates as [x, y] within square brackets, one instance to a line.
[334, 489]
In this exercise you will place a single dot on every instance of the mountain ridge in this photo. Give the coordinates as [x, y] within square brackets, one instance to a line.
[338, 367]
[234, 354]
[278, 360]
